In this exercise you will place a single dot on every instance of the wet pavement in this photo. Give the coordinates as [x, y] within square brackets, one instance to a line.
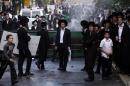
[52, 77]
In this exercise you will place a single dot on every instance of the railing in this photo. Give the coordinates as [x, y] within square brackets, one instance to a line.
[76, 42]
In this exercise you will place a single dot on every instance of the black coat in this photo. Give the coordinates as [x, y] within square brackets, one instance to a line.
[23, 38]
[92, 40]
[91, 43]
[66, 38]
[43, 44]
[123, 49]
[33, 28]
[7, 26]
[83, 37]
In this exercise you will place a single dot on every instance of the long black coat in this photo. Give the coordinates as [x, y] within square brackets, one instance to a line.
[23, 38]
[91, 43]
[7, 26]
[43, 44]
[123, 50]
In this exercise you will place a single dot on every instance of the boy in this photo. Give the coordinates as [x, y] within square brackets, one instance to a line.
[106, 53]
[8, 59]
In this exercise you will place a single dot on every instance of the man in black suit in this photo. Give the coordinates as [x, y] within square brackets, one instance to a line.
[35, 26]
[63, 43]
[123, 45]
[24, 52]
[7, 23]
[91, 43]
[42, 47]
[38, 20]
[84, 25]
[50, 20]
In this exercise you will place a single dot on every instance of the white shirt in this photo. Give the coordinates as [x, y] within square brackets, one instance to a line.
[120, 31]
[49, 17]
[61, 35]
[35, 27]
[106, 45]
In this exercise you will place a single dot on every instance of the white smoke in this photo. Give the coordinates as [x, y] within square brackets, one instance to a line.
[80, 10]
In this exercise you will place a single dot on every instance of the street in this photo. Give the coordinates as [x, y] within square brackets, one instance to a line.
[52, 77]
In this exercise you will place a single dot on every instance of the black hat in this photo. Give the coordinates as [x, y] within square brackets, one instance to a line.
[62, 21]
[84, 23]
[128, 18]
[96, 25]
[91, 24]
[120, 15]
[34, 22]
[114, 14]
[128, 11]
[24, 21]
[43, 24]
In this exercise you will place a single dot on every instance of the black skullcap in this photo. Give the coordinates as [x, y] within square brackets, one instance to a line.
[24, 20]
[84, 23]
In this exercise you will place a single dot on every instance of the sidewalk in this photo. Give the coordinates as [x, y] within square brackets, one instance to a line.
[124, 78]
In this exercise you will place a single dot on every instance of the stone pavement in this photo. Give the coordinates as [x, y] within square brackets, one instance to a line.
[52, 77]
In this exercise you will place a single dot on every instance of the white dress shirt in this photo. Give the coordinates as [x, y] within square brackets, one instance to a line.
[49, 17]
[61, 35]
[106, 45]
[120, 31]
[35, 27]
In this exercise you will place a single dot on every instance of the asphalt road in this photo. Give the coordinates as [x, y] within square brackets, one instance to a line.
[52, 77]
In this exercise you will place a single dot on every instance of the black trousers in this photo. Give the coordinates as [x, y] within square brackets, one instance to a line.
[3, 67]
[90, 61]
[55, 56]
[99, 64]
[84, 58]
[24, 54]
[42, 56]
[63, 56]
[106, 67]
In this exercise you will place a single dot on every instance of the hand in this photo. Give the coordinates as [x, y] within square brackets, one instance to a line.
[13, 56]
[55, 48]
[117, 38]
[68, 48]
[85, 48]
[12, 60]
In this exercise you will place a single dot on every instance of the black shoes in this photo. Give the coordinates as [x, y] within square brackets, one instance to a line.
[28, 74]
[89, 80]
[20, 75]
[106, 78]
[62, 69]
[38, 66]
[14, 82]
[84, 69]
[25, 74]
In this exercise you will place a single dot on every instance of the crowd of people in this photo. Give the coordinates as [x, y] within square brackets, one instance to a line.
[106, 43]
[109, 42]
[10, 22]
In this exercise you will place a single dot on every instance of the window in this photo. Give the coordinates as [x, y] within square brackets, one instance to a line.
[26, 13]
[34, 13]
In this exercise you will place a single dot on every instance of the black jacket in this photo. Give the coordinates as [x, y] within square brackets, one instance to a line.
[23, 38]
[8, 51]
[91, 40]
[33, 28]
[7, 26]
[66, 38]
